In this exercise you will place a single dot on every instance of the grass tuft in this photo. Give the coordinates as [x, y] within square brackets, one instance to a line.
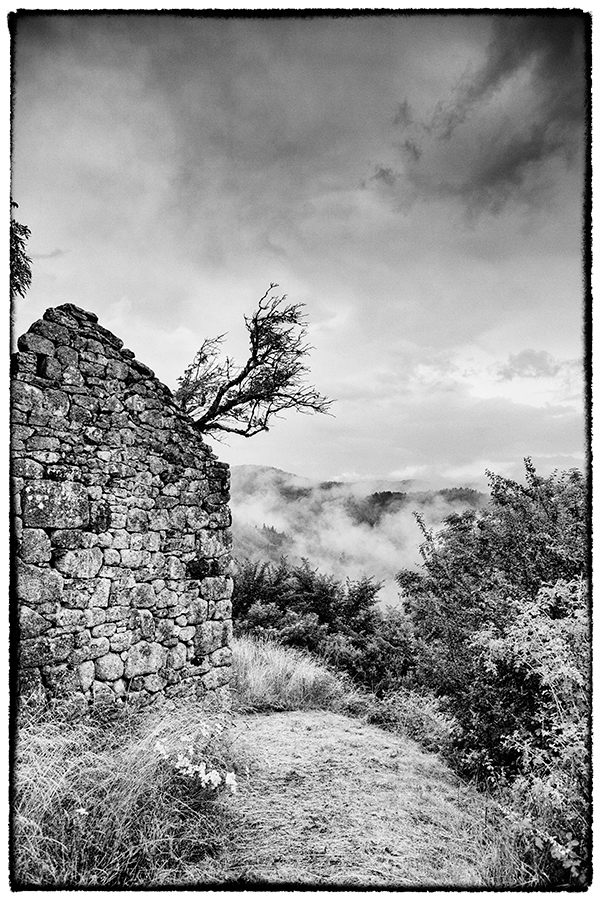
[111, 804]
[268, 676]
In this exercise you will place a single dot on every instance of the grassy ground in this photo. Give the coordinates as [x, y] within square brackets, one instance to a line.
[323, 798]
[328, 800]
[117, 804]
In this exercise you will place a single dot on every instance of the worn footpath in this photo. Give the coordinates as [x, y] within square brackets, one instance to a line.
[329, 800]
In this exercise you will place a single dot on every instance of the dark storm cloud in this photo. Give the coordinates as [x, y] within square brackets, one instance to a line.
[521, 110]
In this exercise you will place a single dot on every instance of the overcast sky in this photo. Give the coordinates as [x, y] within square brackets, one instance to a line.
[416, 181]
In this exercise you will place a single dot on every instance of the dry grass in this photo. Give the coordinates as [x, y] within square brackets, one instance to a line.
[330, 801]
[268, 676]
[324, 799]
[102, 805]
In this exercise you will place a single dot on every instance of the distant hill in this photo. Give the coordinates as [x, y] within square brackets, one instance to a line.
[345, 529]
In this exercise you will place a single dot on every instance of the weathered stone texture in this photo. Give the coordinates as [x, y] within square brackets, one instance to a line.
[121, 526]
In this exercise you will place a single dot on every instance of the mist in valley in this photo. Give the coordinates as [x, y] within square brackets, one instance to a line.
[349, 530]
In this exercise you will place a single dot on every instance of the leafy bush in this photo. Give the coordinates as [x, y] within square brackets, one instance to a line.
[340, 622]
[500, 616]
[419, 716]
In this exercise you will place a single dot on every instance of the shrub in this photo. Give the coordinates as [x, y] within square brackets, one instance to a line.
[502, 634]
[339, 621]
[419, 716]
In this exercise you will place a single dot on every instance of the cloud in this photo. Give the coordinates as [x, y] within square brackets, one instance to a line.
[54, 254]
[529, 364]
[324, 524]
[507, 126]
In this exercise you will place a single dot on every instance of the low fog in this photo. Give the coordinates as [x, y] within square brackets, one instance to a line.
[348, 530]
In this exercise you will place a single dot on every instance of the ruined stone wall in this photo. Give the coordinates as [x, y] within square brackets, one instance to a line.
[121, 526]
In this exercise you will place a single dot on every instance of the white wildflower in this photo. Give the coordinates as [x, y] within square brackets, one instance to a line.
[231, 782]
[214, 778]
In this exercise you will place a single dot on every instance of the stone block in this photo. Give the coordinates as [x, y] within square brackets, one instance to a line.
[71, 619]
[101, 594]
[119, 687]
[134, 559]
[187, 633]
[98, 647]
[79, 563]
[68, 356]
[27, 468]
[143, 621]
[57, 403]
[109, 667]
[220, 610]
[165, 630]
[106, 630]
[216, 678]
[120, 641]
[51, 504]
[50, 368]
[216, 588]
[73, 539]
[35, 343]
[211, 545]
[82, 639]
[121, 539]
[38, 585]
[144, 658]
[31, 624]
[43, 442]
[221, 657]
[112, 557]
[45, 650]
[26, 397]
[176, 657]
[153, 683]
[208, 638]
[174, 569]
[35, 546]
[86, 672]
[117, 614]
[197, 612]
[95, 616]
[54, 332]
[220, 519]
[142, 595]
[196, 518]
[137, 520]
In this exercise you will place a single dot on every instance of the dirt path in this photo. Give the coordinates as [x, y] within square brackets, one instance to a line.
[329, 800]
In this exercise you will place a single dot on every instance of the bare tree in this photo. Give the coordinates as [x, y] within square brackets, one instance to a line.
[223, 397]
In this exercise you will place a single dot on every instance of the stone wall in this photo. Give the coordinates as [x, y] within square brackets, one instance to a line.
[121, 526]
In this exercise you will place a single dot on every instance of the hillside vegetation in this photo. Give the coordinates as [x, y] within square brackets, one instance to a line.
[493, 630]
[319, 781]
[294, 791]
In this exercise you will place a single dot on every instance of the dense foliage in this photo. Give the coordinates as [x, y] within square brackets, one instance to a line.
[20, 263]
[338, 621]
[500, 616]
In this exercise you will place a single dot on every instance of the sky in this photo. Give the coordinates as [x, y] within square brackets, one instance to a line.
[417, 181]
